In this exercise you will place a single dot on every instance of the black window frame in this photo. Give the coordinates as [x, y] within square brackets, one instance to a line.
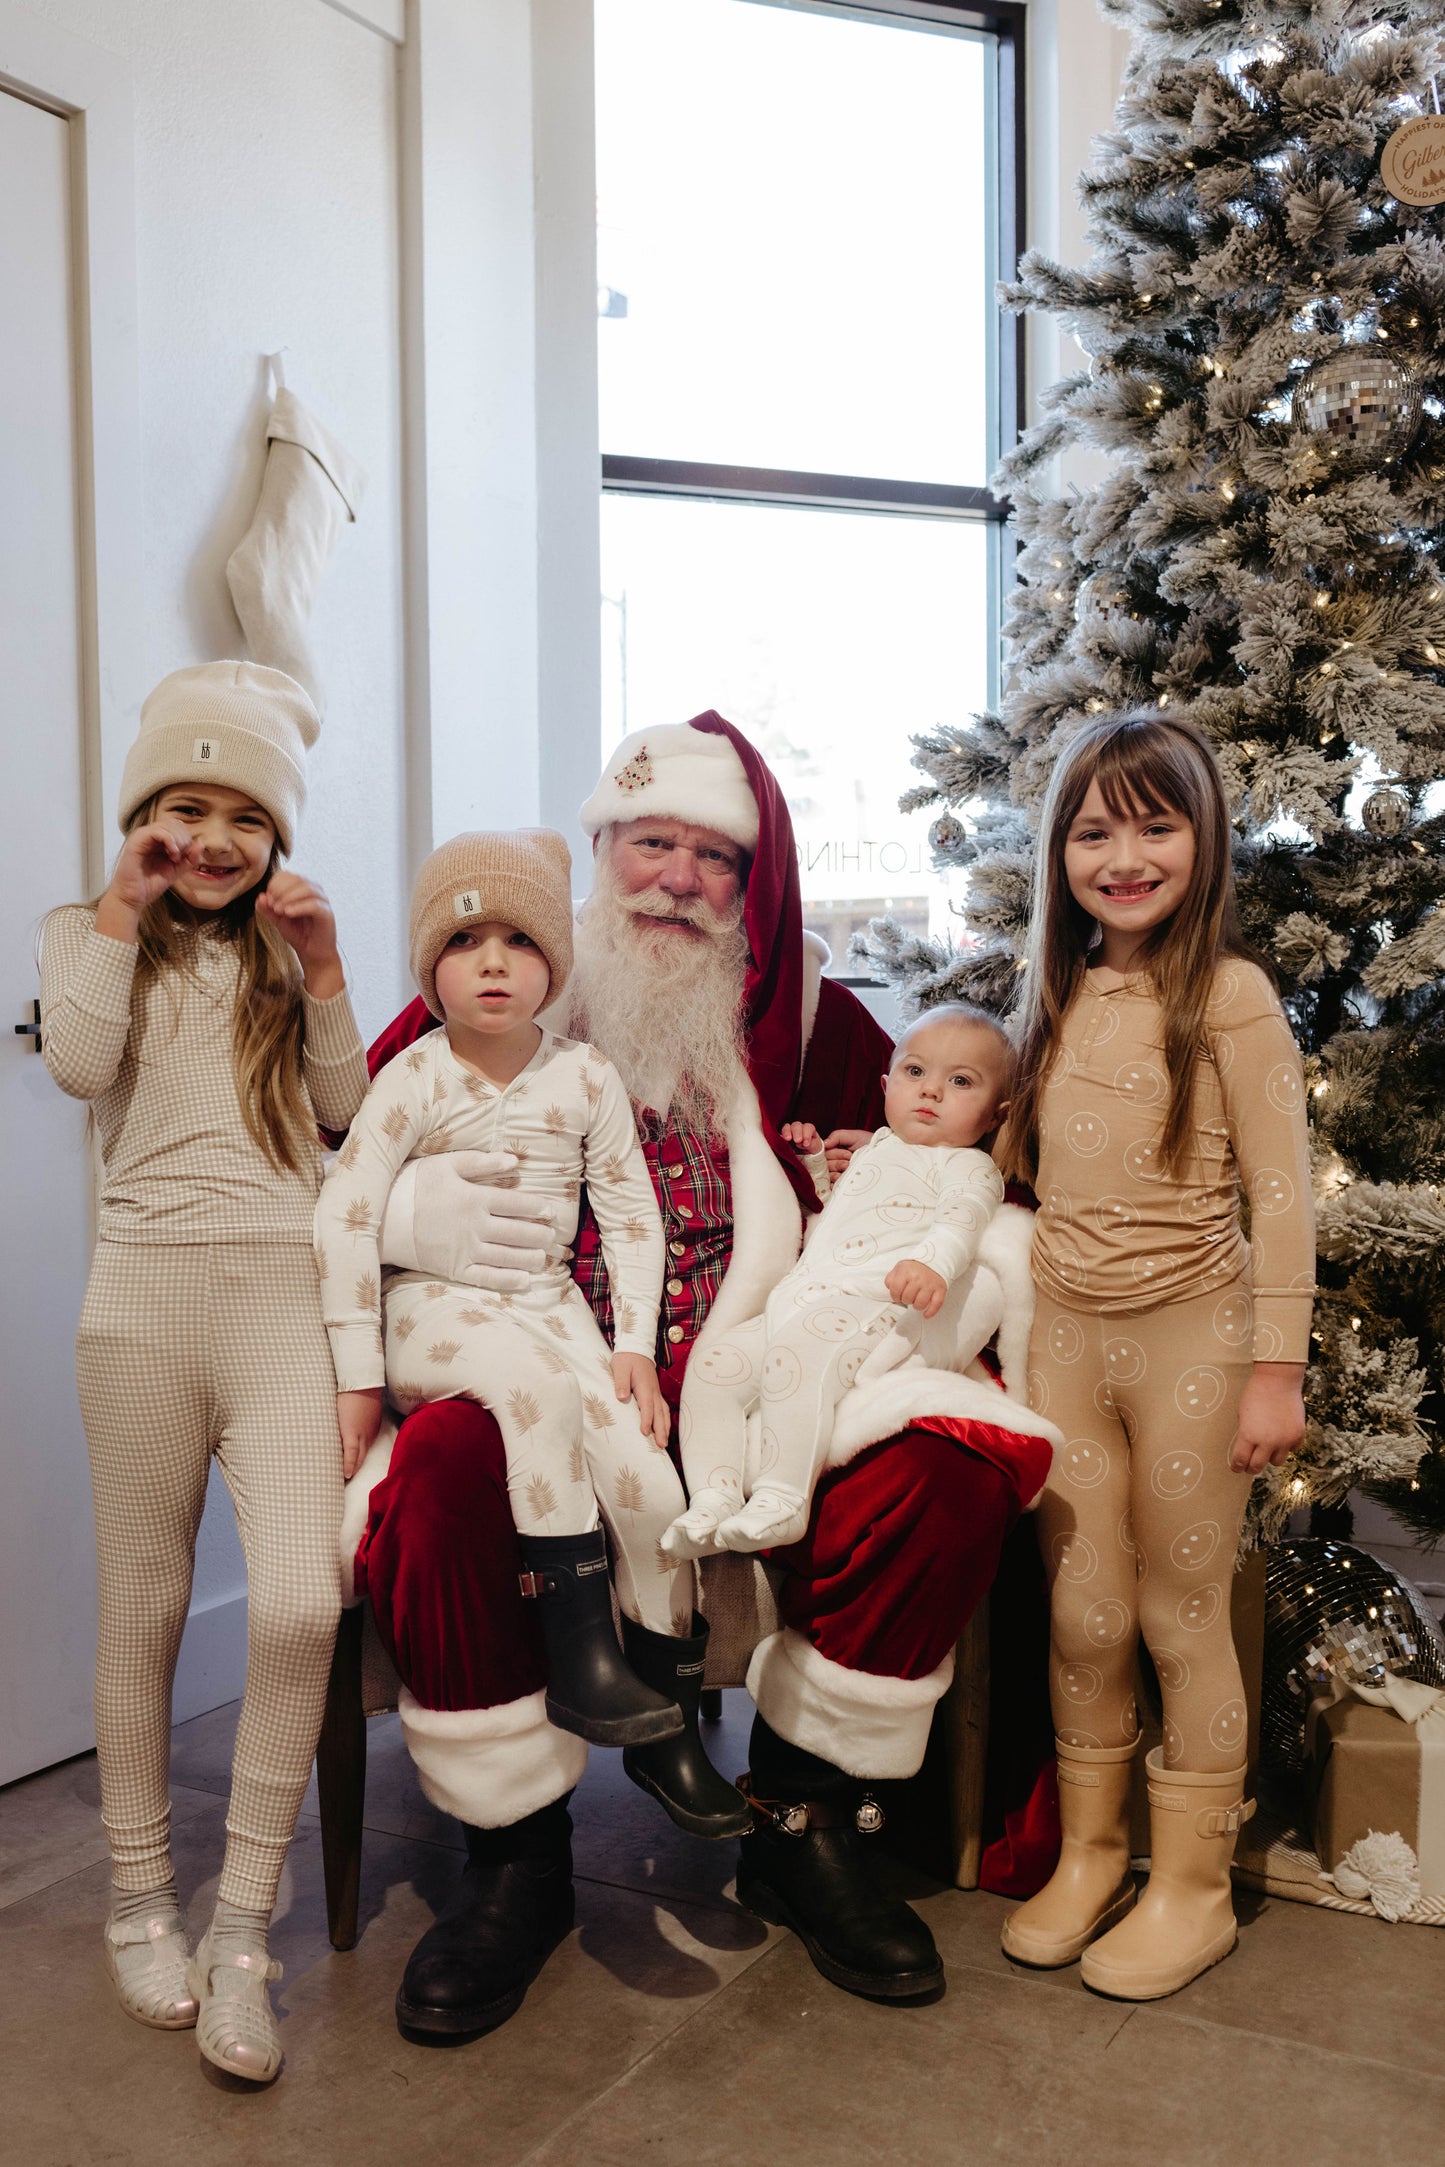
[622, 474]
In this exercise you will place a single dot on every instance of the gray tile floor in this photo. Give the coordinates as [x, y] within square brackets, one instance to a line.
[672, 2027]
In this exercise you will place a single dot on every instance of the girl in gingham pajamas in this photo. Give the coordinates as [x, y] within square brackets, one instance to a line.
[200, 1007]
[491, 944]
[1159, 1079]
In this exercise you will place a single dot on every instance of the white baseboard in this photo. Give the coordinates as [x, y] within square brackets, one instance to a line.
[212, 1666]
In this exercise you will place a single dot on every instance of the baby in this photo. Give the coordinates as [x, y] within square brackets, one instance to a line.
[900, 1228]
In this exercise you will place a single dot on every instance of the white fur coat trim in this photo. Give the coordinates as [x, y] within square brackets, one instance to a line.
[491, 1766]
[767, 1223]
[871, 1412]
[356, 1504]
[866, 1725]
[817, 955]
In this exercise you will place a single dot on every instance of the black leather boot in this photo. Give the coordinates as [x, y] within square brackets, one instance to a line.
[590, 1690]
[805, 1866]
[678, 1773]
[469, 1971]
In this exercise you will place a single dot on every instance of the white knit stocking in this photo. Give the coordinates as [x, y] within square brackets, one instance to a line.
[310, 490]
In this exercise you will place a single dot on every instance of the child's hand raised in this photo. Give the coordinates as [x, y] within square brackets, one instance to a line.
[151, 860]
[304, 919]
[916, 1286]
[635, 1378]
[358, 1418]
[802, 1136]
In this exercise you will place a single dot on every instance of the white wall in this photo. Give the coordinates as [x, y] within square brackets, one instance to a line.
[266, 168]
[1075, 63]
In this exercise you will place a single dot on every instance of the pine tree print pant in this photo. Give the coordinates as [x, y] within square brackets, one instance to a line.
[1140, 1519]
[185, 1352]
[794, 1366]
[539, 1363]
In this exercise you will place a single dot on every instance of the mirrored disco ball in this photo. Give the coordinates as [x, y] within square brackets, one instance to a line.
[1360, 407]
[1333, 1611]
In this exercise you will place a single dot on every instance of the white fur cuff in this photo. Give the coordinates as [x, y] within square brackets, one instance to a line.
[859, 1722]
[491, 1766]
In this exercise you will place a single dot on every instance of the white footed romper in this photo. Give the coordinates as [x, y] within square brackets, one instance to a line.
[895, 1201]
[536, 1359]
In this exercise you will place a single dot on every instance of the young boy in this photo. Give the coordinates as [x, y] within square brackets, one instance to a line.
[902, 1225]
[491, 945]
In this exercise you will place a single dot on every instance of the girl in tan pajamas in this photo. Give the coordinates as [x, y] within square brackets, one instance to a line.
[200, 1007]
[1159, 1081]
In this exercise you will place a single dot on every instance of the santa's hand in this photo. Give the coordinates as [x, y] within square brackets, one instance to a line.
[840, 1145]
[446, 1217]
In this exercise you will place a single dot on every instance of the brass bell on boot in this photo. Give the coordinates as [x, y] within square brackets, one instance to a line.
[869, 1817]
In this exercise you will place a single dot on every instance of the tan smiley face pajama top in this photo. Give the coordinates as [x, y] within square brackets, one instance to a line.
[1152, 1310]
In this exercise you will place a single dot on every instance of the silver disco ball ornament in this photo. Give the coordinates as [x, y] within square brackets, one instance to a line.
[947, 835]
[1385, 812]
[1359, 407]
[1333, 1611]
[1102, 594]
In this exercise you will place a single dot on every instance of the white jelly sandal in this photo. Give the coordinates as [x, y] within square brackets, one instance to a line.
[236, 2028]
[148, 1963]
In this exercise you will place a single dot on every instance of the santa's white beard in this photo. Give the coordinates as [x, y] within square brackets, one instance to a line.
[665, 1008]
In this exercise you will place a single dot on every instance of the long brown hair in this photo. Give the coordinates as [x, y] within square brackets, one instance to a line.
[1143, 763]
[268, 1021]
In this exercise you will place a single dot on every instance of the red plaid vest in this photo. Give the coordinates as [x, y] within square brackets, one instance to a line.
[691, 1178]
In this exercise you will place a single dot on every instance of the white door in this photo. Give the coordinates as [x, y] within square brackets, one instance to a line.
[47, 1548]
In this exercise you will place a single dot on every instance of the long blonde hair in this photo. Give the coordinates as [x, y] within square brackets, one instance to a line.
[268, 1021]
[1143, 763]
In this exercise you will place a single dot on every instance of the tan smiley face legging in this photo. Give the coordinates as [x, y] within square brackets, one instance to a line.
[1140, 1520]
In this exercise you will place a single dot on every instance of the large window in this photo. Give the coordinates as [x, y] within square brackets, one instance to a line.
[802, 213]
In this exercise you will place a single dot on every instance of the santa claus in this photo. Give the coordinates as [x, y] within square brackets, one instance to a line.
[694, 976]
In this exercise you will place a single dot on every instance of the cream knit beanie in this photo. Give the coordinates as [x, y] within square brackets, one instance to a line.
[231, 723]
[521, 878]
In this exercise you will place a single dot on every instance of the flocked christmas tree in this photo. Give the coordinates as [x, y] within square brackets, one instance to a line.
[1264, 322]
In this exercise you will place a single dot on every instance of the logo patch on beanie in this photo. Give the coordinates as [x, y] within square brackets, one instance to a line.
[467, 905]
[638, 772]
[206, 751]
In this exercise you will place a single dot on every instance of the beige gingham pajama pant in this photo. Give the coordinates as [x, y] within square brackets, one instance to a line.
[185, 1351]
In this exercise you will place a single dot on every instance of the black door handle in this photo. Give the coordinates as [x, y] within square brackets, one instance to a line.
[31, 1030]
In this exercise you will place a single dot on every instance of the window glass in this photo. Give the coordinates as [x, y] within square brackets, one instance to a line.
[830, 638]
[794, 240]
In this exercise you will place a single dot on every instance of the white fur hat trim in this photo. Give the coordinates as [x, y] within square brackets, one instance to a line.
[676, 773]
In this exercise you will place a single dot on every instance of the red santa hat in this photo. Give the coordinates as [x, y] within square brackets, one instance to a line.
[706, 772]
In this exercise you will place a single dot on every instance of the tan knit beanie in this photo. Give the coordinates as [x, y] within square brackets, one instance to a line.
[521, 878]
[231, 723]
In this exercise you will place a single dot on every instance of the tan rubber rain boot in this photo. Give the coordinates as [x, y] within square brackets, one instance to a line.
[1185, 1918]
[1091, 1886]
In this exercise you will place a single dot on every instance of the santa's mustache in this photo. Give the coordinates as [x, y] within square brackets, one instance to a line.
[686, 910]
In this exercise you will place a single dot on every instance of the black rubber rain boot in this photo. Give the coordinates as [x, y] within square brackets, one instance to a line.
[469, 1971]
[590, 1690]
[805, 1866]
[678, 1773]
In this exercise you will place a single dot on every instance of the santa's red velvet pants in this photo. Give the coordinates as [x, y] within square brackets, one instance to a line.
[903, 1541]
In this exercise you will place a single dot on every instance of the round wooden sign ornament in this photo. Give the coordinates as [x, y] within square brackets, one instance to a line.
[1412, 164]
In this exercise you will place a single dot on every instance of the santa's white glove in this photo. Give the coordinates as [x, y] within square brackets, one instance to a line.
[446, 1217]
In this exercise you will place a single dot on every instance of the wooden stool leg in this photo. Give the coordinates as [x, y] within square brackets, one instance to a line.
[965, 1710]
[341, 1782]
